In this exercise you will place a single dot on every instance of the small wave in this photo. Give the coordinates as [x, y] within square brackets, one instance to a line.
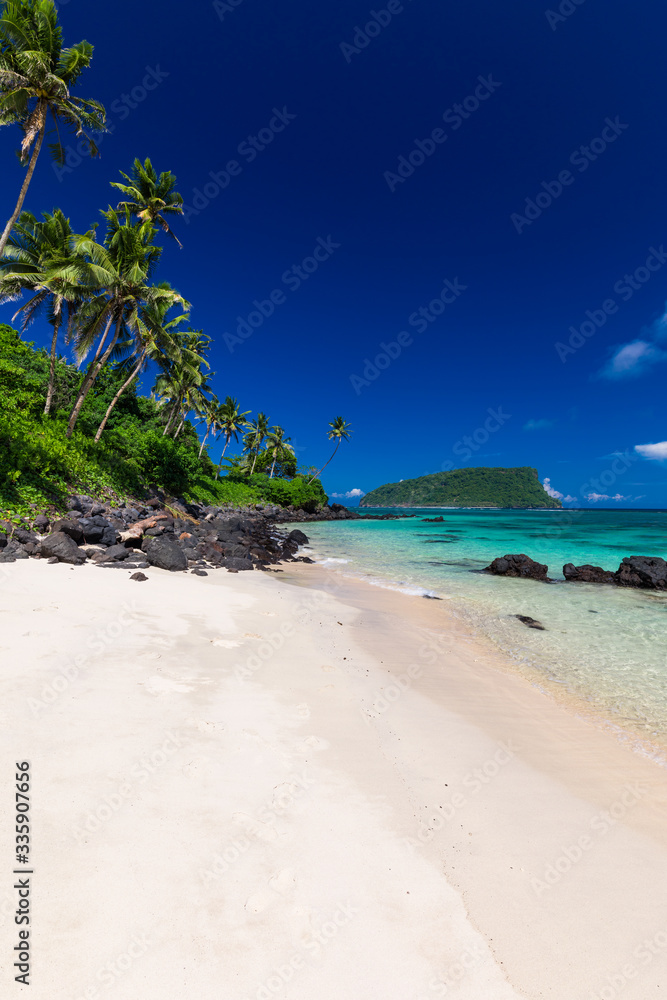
[330, 561]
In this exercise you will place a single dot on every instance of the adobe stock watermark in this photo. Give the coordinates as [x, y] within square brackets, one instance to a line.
[599, 825]
[644, 954]
[565, 10]
[468, 445]
[581, 158]
[256, 826]
[292, 279]
[473, 782]
[592, 491]
[109, 974]
[364, 35]
[121, 109]
[312, 947]
[72, 668]
[452, 976]
[249, 149]
[224, 7]
[419, 321]
[454, 117]
[624, 288]
[140, 773]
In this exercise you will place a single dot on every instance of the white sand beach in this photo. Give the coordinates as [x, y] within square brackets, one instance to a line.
[245, 787]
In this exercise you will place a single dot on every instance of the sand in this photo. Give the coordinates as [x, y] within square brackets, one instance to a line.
[247, 786]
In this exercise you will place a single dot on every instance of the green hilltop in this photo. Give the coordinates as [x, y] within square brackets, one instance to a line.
[515, 488]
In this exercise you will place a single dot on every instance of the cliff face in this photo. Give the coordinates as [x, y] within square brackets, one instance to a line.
[518, 488]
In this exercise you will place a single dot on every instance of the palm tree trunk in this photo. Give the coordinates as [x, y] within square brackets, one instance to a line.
[83, 391]
[229, 438]
[273, 466]
[24, 189]
[52, 368]
[90, 380]
[318, 474]
[120, 392]
[170, 419]
[208, 431]
[180, 426]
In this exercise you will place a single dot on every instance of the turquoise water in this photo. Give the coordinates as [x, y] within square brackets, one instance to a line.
[606, 645]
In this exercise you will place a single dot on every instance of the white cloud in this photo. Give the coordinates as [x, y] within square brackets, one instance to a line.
[538, 425]
[595, 497]
[350, 495]
[654, 452]
[633, 359]
[555, 494]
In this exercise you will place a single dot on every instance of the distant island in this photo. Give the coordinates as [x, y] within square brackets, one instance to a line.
[518, 488]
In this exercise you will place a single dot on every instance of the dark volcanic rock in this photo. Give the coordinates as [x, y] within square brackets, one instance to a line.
[3, 539]
[587, 574]
[199, 572]
[165, 553]
[97, 530]
[433, 520]
[63, 547]
[298, 537]
[115, 553]
[519, 565]
[237, 564]
[531, 622]
[647, 572]
[139, 577]
[69, 527]
[41, 523]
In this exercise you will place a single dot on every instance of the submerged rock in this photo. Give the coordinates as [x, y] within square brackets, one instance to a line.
[587, 574]
[519, 565]
[531, 622]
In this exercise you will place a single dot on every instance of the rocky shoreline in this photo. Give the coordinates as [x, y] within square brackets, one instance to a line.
[170, 534]
[642, 572]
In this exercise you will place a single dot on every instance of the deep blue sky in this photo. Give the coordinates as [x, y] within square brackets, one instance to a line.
[323, 176]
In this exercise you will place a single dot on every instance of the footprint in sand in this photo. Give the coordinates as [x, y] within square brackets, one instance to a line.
[163, 685]
[280, 884]
[314, 743]
[209, 727]
[283, 882]
[255, 828]
[303, 711]
[195, 767]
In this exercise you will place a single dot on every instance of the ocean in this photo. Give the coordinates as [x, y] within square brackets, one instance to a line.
[606, 645]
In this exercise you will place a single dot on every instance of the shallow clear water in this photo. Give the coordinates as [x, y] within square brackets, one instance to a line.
[606, 645]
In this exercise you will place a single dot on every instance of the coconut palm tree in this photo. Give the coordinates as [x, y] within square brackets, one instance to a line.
[116, 277]
[176, 383]
[277, 446]
[150, 197]
[154, 340]
[258, 429]
[211, 416]
[340, 431]
[231, 423]
[36, 76]
[35, 253]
